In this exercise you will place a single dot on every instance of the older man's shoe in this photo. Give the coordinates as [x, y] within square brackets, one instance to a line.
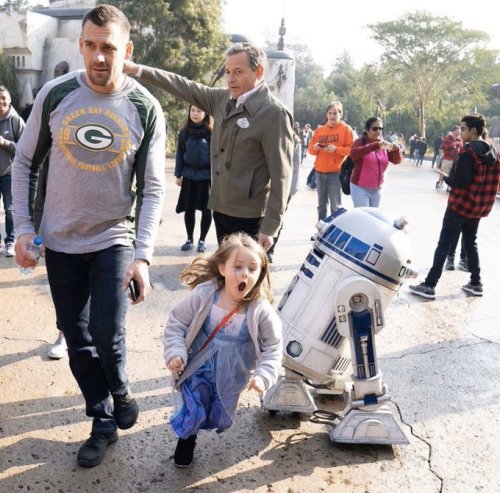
[92, 452]
[126, 411]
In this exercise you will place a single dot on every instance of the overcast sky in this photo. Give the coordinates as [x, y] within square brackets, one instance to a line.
[329, 28]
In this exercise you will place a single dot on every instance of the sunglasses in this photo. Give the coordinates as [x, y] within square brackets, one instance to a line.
[375, 129]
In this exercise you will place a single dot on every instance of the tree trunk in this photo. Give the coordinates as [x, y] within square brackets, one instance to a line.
[422, 118]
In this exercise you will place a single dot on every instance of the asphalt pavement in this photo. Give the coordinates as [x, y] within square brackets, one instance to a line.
[440, 359]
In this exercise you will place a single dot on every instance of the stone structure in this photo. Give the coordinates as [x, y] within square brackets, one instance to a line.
[40, 38]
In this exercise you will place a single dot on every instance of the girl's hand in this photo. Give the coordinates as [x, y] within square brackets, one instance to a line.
[176, 364]
[257, 384]
[178, 181]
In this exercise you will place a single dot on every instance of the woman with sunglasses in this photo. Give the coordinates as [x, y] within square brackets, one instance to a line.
[371, 155]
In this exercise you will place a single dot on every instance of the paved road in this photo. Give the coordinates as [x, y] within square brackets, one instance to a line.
[441, 360]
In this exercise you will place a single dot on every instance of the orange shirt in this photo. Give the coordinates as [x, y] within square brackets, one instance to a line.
[341, 136]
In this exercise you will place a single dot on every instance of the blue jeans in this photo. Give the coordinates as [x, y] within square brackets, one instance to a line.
[6, 194]
[91, 307]
[329, 190]
[453, 224]
[365, 197]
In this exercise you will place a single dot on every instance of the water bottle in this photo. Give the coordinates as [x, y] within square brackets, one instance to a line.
[33, 247]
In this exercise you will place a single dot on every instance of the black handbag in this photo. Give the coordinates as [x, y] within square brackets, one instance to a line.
[345, 175]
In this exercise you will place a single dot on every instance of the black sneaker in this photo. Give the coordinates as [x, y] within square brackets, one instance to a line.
[201, 247]
[423, 290]
[450, 264]
[476, 290]
[92, 452]
[126, 411]
[183, 455]
[187, 246]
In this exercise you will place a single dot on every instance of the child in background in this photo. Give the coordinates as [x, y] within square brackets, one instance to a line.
[192, 174]
[222, 331]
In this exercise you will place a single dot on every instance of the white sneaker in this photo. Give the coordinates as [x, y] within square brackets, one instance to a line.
[59, 349]
[9, 250]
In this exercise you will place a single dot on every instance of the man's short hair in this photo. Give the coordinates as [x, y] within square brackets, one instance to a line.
[475, 120]
[107, 14]
[4, 89]
[255, 55]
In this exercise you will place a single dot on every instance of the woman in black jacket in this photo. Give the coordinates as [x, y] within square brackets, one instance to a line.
[192, 174]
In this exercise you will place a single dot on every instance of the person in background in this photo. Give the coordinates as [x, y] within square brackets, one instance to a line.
[451, 146]
[331, 143]
[413, 145]
[251, 147]
[11, 129]
[474, 180]
[106, 136]
[436, 158]
[371, 156]
[192, 174]
[422, 149]
[298, 131]
[223, 336]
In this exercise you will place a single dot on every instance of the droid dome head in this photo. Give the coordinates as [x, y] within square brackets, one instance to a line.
[370, 243]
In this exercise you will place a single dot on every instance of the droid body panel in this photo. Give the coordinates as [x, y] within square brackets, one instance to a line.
[331, 312]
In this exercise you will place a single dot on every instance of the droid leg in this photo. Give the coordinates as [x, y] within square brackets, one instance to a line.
[365, 418]
[289, 394]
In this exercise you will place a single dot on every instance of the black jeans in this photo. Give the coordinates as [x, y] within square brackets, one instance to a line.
[453, 224]
[225, 225]
[91, 306]
[6, 194]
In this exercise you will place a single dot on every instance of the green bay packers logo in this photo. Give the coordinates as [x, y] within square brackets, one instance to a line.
[94, 137]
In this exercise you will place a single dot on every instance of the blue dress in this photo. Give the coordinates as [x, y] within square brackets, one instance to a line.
[216, 377]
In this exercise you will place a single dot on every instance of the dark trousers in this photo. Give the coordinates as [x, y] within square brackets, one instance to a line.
[453, 224]
[6, 194]
[190, 220]
[311, 179]
[453, 247]
[91, 306]
[226, 225]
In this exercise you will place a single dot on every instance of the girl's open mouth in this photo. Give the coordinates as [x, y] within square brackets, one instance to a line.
[242, 285]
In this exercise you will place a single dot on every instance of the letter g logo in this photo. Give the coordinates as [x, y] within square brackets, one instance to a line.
[94, 137]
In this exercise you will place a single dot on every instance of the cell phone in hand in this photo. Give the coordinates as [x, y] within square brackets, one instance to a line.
[322, 145]
[133, 288]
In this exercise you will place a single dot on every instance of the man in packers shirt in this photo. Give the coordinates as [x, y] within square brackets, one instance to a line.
[106, 136]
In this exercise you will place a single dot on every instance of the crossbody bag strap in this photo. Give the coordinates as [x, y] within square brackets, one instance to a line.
[183, 375]
[221, 324]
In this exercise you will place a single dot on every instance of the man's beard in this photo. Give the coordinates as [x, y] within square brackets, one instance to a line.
[101, 80]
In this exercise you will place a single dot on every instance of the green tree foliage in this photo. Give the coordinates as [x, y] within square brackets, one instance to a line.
[427, 53]
[8, 76]
[183, 36]
[311, 94]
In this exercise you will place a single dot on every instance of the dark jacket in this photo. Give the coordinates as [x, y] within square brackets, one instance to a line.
[474, 180]
[11, 128]
[193, 154]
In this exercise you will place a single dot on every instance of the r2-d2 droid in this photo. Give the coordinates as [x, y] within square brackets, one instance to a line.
[331, 312]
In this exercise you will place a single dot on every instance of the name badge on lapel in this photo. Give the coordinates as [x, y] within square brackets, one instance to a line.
[242, 123]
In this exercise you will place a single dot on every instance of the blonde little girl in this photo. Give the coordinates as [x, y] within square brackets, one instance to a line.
[223, 335]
